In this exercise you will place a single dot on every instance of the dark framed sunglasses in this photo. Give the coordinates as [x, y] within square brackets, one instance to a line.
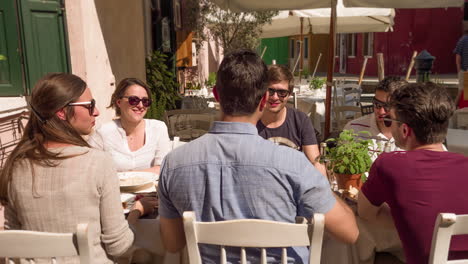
[135, 100]
[388, 121]
[379, 104]
[280, 92]
[90, 105]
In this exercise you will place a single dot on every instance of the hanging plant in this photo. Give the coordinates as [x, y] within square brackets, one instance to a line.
[163, 85]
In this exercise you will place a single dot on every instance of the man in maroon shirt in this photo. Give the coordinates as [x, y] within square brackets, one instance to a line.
[410, 188]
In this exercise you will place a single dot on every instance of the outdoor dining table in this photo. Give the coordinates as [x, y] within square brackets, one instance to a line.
[373, 239]
[148, 243]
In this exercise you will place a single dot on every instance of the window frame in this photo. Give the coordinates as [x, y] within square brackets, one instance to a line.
[351, 45]
[368, 44]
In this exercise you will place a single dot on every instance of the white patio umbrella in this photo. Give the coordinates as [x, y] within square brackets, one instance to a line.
[404, 3]
[317, 21]
[262, 5]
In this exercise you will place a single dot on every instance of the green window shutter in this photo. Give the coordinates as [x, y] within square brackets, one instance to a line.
[277, 49]
[11, 83]
[44, 38]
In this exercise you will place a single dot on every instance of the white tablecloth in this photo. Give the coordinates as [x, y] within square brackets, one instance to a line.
[372, 239]
[148, 238]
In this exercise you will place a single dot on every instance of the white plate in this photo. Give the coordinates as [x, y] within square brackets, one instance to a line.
[134, 181]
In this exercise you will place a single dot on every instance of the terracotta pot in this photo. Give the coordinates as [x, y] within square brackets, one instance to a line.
[346, 180]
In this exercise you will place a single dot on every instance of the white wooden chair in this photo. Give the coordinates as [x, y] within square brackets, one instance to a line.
[343, 114]
[188, 124]
[348, 94]
[253, 233]
[446, 226]
[352, 94]
[32, 244]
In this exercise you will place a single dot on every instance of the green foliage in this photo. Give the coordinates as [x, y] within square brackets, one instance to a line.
[351, 154]
[232, 30]
[2, 57]
[437, 80]
[211, 81]
[316, 83]
[193, 86]
[163, 85]
[305, 73]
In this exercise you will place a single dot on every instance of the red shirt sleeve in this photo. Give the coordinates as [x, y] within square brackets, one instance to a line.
[374, 188]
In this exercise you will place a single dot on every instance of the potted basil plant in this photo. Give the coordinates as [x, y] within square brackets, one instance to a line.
[349, 158]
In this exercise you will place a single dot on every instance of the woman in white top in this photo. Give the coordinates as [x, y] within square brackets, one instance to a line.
[135, 143]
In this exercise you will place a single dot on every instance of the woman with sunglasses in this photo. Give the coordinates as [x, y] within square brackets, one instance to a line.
[135, 143]
[53, 180]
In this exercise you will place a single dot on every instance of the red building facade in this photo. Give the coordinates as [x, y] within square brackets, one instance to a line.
[436, 30]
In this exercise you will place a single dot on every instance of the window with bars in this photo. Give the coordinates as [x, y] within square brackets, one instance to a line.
[306, 48]
[351, 45]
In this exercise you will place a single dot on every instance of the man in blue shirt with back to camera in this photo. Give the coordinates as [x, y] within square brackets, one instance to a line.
[233, 173]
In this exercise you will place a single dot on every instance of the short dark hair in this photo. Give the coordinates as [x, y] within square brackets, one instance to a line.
[426, 108]
[241, 82]
[390, 83]
[278, 73]
[120, 91]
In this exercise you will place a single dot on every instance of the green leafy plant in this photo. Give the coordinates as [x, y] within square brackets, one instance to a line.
[2, 57]
[211, 81]
[193, 86]
[351, 153]
[316, 83]
[232, 30]
[163, 85]
[305, 73]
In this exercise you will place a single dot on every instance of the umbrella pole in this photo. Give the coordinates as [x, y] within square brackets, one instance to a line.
[331, 64]
[301, 66]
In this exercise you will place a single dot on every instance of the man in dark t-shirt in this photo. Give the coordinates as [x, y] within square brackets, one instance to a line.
[296, 127]
[410, 188]
[279, 121]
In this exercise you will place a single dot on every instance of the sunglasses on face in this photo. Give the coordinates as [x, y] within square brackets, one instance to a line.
[388, 121]
[379, 104]
[90, 105]
[281, 93]
[135, 100]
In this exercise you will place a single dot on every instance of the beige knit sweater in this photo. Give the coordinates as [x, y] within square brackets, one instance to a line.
[82, 189]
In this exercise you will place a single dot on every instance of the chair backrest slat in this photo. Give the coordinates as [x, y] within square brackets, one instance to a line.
[223, 255]
[284, 256]
[263, 258]
[33, 244]
[243, 256]
[253, 233]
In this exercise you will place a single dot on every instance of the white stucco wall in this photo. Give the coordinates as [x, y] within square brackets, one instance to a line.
[88, 53]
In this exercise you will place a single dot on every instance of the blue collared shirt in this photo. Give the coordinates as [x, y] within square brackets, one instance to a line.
[232, 173]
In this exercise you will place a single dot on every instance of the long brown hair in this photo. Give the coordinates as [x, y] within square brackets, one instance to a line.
[50, 94]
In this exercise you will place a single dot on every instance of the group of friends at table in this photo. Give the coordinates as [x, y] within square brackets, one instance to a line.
[55, 178]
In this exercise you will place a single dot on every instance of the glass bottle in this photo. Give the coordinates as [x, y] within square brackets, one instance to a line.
[388, 146]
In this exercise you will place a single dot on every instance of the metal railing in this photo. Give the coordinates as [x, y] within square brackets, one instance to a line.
[11, 131]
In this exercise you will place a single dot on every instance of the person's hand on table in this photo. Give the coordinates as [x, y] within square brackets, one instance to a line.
[145, 205]
[141, 207]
